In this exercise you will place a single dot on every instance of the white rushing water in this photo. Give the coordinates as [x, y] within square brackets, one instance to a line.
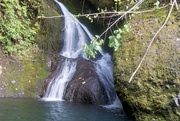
[56, 87]
[75, 35]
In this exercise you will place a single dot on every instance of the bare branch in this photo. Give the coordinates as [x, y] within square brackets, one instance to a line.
[109, 14]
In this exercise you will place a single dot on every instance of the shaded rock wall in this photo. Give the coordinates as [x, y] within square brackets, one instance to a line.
[157, 82]
[50, 35]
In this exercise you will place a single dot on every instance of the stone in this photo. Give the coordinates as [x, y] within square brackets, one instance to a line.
[86, 86]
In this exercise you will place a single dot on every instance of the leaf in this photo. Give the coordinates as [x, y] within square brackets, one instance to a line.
[115, 31]
[132, 2]
[120, 30]
[157, 4]
[97, 36]
[98, 48]
[79, 14]
[101, 41]
[85, 48]
[111, 37]
[118, 36]
[74, 16]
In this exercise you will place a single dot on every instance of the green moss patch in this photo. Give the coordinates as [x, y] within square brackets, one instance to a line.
[22, 77]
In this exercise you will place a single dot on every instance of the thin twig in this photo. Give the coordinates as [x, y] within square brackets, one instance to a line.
[152, 42]
[137, 12]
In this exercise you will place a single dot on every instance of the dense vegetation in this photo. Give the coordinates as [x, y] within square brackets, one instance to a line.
[18, 25]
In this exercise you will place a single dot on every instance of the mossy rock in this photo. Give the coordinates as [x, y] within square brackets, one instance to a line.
[157, 81]
[22, 76]
[50, 36]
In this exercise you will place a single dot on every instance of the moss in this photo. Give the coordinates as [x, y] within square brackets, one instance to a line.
[50, 35]
[22, 77]
[157, 80]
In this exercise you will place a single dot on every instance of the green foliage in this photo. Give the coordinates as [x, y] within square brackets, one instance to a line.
[122, 5]
[16, 33]
[94, 46]
[114, 39]
[90, 18]
[156, 5]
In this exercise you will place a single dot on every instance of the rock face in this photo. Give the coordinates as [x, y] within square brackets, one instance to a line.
[86, 86]
[50, 35]
[157, 81]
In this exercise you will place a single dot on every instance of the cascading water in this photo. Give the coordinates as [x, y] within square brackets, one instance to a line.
[75, 35]
[63, 74]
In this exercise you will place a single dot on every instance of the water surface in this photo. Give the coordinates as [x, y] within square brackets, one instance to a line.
[38, 110]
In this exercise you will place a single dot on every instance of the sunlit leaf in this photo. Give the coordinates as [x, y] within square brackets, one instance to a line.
[132, 2]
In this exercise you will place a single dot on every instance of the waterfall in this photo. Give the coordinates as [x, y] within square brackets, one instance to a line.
[75, 35]
[63, 74]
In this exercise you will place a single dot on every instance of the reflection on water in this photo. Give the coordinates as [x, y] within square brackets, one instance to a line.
[39, 110]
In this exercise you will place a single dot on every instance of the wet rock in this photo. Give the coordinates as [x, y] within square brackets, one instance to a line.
[86, 86]
[55, 60]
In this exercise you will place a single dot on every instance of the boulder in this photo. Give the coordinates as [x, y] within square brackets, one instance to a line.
[86, 86]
